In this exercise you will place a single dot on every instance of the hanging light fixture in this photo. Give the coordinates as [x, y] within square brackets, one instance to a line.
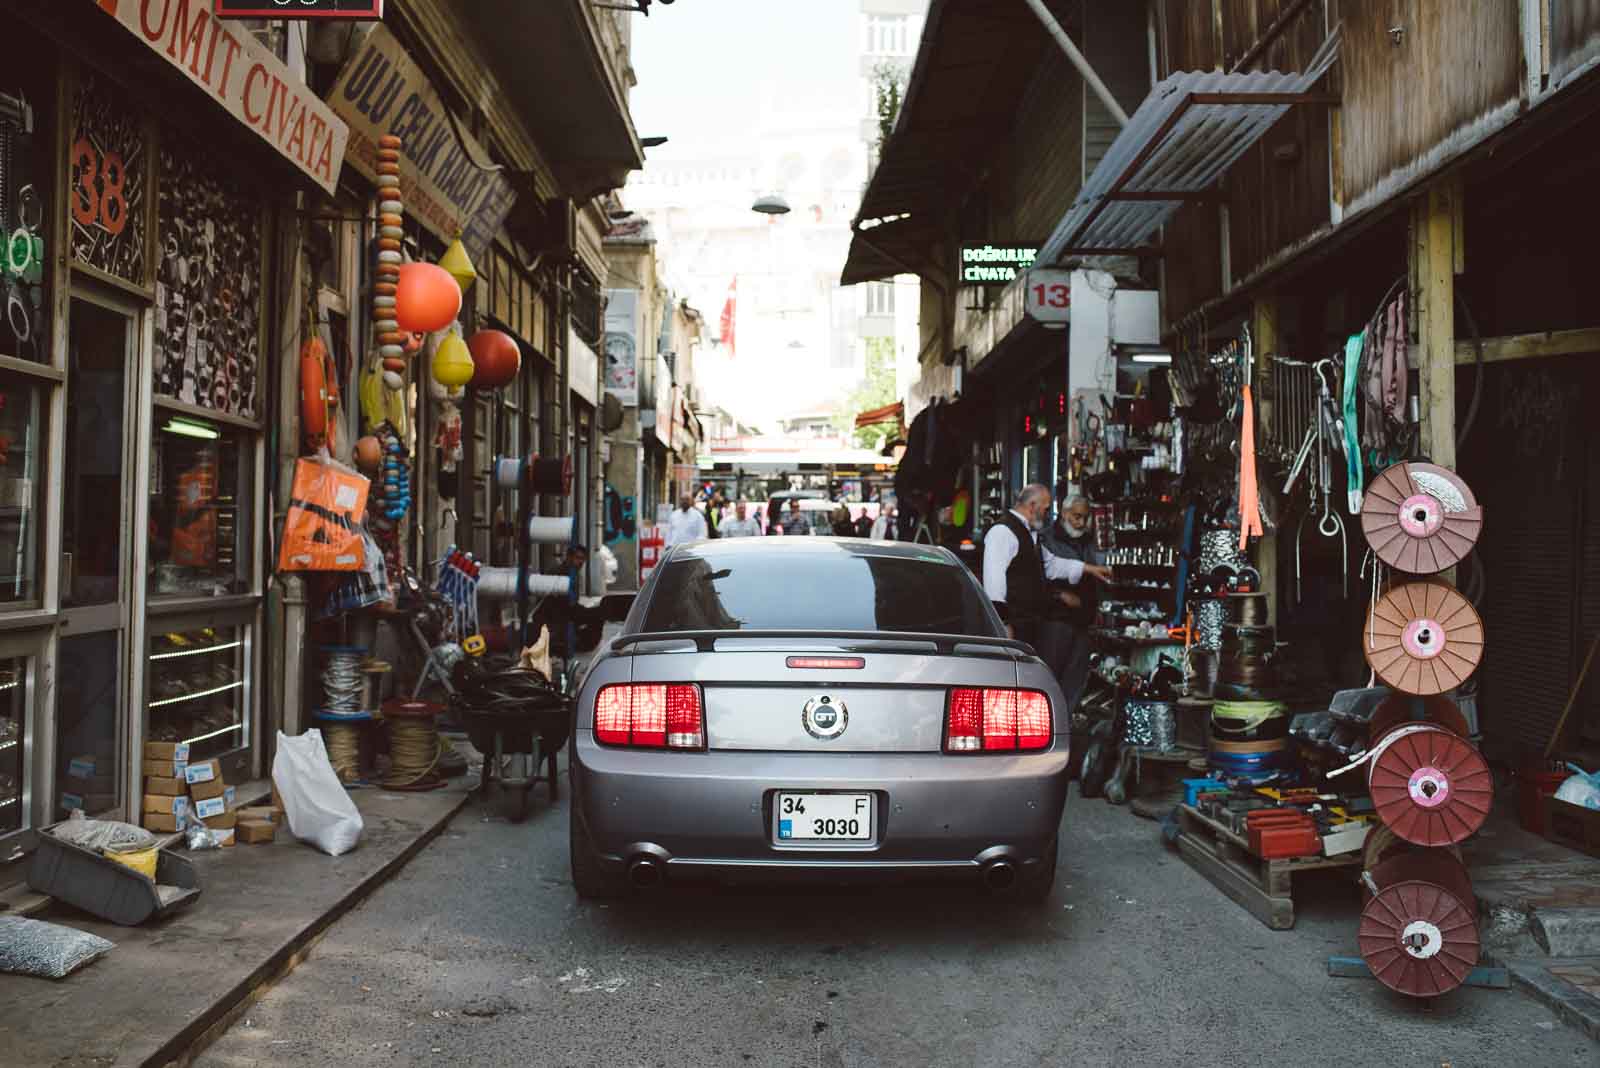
[770, 204]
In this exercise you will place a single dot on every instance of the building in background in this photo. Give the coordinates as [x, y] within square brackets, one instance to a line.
[650, 347]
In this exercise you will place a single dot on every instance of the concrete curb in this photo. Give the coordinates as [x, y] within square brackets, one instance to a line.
[1572, 1005]
[196, 1036]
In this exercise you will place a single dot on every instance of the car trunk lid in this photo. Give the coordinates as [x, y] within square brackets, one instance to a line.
[765, 695]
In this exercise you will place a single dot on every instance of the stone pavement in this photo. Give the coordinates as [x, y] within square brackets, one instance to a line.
[170, 987]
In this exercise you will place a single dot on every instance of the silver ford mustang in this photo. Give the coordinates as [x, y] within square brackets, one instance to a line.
[785, 708]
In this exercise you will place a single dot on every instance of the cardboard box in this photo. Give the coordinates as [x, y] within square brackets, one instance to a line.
[260, 813]
[164, 803]
[175, 751]
[165, 769]
[204, 791]
[221, 821]
[211, 806]
[170, 787]
[89, 767]
[277, 801]
[164, 822]
[230, 797]
[94, 784]
[226, 837]
[255, 832]
[205, 771]
[88, 804]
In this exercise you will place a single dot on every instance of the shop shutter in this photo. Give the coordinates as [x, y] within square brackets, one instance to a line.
[1526, 462]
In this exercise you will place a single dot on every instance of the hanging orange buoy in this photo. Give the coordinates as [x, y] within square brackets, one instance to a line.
[496, 359]
[427, 298]
[318, 394]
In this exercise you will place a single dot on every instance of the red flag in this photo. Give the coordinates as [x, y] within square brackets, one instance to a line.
[730, 313]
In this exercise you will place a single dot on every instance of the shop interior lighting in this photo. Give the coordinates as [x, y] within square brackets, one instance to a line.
[7, 745]
[9, 801]
[188, 652]
[198, 693]
[190, 428]
[1152, 357]
[213, 734]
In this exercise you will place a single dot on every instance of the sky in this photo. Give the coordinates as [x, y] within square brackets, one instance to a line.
[751, 83]
[709, 69]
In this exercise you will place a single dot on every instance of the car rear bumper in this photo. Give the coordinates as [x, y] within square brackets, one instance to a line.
[710, 814]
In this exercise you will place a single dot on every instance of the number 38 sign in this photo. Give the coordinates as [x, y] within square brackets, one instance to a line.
[1048, 298]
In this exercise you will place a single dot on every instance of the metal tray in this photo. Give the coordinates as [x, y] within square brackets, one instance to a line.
[106, 889]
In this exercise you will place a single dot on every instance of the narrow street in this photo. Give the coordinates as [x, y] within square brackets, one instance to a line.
[479, 953]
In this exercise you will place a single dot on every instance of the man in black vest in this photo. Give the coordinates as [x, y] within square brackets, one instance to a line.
[1017, 569]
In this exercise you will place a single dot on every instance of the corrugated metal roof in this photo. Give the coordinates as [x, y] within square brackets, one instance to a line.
[1181, 140]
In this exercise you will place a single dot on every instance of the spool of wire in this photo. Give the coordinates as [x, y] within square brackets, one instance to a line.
[342, 679]
[344, 688]
[414, 746]
[1248, 609]
[1247, 641]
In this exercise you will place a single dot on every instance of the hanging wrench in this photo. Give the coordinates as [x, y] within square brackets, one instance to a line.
[1299, 462]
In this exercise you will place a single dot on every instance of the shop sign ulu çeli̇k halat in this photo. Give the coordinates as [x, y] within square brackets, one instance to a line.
[381, 91]
[243, 76]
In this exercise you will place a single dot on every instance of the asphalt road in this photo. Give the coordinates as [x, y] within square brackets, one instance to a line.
[478, 953]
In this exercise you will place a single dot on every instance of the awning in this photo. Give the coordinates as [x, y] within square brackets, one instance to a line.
[973, 64]
[1190, 129]
[889, 413]
[569, 95]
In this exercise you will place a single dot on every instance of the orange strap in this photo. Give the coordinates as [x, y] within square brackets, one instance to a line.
[1249, 491]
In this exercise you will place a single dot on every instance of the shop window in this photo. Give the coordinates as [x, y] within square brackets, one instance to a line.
[24, 185]
[88, 695]
[210, 264]
[880, 298]
[108, 183]
[200, 507]
[21, 432]
[198, 689]
[13, 729]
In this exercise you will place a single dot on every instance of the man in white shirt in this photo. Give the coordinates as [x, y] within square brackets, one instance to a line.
[883, 527]
[1016, 567]
[741, 525]
[685, 524]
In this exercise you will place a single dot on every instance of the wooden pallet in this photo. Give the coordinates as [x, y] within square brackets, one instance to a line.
[1263, 887]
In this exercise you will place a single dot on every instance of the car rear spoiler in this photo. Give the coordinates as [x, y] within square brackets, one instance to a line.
[705, 640]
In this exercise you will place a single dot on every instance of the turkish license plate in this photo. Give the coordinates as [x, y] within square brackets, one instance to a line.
[823, 817]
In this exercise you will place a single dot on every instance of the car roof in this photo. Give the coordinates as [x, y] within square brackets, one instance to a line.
[900, 550]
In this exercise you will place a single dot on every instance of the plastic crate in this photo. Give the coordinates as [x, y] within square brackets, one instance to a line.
[106, 889]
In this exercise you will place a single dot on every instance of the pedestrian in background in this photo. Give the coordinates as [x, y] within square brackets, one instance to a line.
[883, 527]
[685, 524]
[863, 524]
[842, 527]
[742, 525]
[1071, 537]
[714, 508]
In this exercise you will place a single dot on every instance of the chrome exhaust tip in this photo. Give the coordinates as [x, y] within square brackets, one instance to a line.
[644, 873]
[999, 875]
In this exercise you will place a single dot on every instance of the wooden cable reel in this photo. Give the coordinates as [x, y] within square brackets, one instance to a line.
[1423, 638]
[1398, 709]
[1420, 518]
[1419, 929]
[1429, 786]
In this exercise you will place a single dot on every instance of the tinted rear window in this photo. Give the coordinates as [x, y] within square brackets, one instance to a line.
[815, 590]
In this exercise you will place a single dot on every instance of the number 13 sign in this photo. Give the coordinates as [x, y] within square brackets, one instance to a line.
[1049, 295]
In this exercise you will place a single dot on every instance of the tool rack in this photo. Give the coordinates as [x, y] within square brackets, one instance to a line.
[1264, 887]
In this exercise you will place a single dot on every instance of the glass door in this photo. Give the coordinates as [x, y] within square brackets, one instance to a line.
[90, 712]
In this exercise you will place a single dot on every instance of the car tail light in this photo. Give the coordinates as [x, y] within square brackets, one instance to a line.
[827, 663]
[993, 719]
[655, 716]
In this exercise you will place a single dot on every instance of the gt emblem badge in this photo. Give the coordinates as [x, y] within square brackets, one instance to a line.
[824, 718]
